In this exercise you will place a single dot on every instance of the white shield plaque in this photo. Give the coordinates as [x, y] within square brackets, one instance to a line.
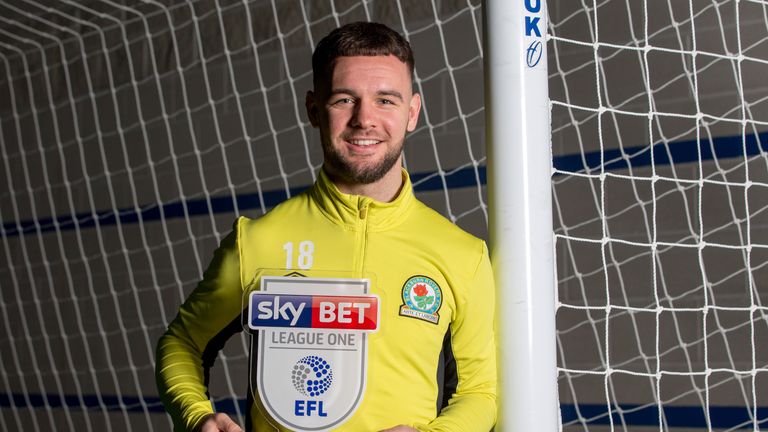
[312, 348]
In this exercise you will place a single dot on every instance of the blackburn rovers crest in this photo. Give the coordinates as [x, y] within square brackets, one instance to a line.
[422, 299]
[312, 348]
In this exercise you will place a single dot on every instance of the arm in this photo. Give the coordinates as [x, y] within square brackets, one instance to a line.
[188, 348]
[473, 406]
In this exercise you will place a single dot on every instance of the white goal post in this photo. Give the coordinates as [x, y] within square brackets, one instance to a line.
[520, 212]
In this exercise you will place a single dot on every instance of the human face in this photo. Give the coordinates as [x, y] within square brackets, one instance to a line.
[363, 115]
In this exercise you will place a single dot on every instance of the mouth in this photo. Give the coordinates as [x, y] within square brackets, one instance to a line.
[363, 142]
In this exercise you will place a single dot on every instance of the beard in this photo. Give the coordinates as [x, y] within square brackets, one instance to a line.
[350, 172]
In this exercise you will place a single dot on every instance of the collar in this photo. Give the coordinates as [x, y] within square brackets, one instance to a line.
[351, 210]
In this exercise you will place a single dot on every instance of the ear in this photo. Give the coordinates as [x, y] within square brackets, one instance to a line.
[312, 109]
[414, 109]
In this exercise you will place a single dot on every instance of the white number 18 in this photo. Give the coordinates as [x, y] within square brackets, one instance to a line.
[304, 261]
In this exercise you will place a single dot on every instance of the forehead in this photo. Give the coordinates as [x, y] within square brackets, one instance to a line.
[362, 70]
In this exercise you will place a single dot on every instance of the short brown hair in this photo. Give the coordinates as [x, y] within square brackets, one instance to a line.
[358, 39]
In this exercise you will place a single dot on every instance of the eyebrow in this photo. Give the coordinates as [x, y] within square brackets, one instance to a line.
[393, 93]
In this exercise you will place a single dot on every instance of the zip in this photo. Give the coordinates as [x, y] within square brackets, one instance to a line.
[362, 215]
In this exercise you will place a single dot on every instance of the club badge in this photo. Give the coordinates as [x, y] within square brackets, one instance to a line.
[422, 299]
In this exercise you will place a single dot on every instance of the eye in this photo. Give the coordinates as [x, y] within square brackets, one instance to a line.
[386, 102]
[344, 101]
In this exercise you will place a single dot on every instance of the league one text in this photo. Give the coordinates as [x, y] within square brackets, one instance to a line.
[308, 332]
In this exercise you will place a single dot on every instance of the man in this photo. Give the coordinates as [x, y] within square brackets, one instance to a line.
[360, 217]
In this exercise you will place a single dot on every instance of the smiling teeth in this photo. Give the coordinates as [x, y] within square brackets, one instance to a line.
[364, 142]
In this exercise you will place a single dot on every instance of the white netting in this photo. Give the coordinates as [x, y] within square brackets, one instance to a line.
[132, 135]
[659, 120]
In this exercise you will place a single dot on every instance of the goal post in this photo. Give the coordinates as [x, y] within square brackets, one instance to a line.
[520, 212]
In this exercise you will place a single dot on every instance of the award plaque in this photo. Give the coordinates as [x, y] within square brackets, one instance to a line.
[312, 348]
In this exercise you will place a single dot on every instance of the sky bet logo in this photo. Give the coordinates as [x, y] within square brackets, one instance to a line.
[314, 311]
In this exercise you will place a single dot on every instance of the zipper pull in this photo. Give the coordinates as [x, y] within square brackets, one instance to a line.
[362, 207]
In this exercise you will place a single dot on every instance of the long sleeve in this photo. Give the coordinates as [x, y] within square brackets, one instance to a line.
[209, 316]
[473, 406]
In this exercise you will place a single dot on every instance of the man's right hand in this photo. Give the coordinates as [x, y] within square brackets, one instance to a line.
[218, 422]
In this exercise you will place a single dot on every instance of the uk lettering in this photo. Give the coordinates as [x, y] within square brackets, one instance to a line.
[532, 21]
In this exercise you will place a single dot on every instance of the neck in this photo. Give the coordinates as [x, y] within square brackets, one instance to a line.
[384, 190]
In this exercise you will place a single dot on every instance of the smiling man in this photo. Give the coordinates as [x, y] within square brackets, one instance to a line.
[363, 106]
[431, 364]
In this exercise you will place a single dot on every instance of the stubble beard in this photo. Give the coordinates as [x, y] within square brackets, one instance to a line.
[348, 172]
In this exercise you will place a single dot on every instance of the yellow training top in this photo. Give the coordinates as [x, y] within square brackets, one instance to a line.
[324, 229]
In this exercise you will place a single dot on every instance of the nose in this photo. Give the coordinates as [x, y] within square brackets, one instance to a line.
[364, 116]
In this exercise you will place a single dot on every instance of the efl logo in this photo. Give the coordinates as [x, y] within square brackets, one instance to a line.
[313, 311]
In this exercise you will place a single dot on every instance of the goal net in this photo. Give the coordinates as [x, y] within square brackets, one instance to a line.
[133, 133]
[659, 139]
